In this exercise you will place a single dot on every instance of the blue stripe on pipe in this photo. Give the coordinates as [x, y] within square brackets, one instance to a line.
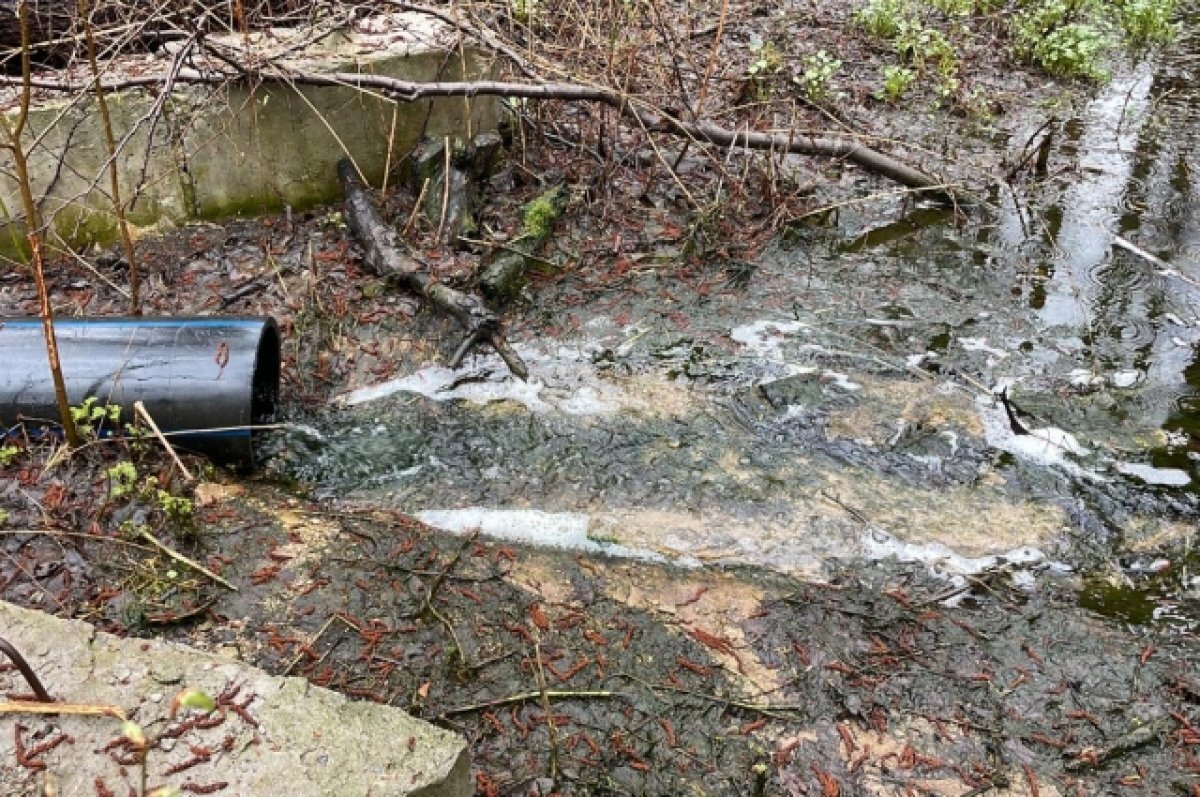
[56, 429]
[165, 322]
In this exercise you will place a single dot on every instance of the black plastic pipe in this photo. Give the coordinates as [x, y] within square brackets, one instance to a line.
[206, 382]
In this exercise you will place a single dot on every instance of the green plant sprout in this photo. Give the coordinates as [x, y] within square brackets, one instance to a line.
[766, 62]
[90, 416]
[524, 11]
[7, 455]
[121, 479]
[896, 81]
[142, 744]
[819, 70]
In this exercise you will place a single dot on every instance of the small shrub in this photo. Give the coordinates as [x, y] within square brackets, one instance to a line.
[1147, 21]
[924, 46]
[883, 18]
[1074, 50]
[1054, 35]
[954, 8]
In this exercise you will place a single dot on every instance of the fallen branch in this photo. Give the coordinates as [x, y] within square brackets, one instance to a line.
[384, 255]
[833, 146]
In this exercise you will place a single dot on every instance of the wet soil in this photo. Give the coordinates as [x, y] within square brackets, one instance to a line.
[591, 675]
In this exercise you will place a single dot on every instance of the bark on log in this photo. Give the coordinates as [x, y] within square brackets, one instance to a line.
[384, 255]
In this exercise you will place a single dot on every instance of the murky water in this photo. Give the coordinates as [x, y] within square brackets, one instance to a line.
[840, 398]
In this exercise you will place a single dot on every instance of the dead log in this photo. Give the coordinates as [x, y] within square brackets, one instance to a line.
[384, 255]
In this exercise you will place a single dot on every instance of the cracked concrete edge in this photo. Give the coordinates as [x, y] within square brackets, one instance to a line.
[290, 739]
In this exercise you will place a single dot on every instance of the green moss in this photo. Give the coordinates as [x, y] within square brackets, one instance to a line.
[538, 217]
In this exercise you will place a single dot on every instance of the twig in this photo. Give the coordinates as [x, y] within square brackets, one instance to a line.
[522, 697]
[447, 178]
[316, 638]
[77, 534]
[429, 609]
[26, 671]
[110, 140]
[76, 709]
[551, 728]
[1165, 268]
[766, 709]
[178, 557]
[140, 409]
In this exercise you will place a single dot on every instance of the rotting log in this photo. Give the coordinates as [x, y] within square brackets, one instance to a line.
[384, 255]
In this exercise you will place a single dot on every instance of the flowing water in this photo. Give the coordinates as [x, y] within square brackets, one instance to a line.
[838, 399]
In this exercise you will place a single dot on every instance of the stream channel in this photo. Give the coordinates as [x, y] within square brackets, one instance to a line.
[837, 399]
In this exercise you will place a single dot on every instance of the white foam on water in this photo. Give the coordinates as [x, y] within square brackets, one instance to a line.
[944, 563]
[563, 530]
[564, 380]
[1125, 379]
[1167, 477]
[765, 338]
[1048, 447]
[480, 386]
[587, 400]
[1085, 377]
[841, 380]
[981, 344]
[917, 360]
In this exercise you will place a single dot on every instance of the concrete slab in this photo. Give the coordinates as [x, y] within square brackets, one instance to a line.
[268, 737]
[215, 152]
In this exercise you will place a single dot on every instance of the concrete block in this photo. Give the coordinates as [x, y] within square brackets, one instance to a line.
[285, 738]
[220, 151]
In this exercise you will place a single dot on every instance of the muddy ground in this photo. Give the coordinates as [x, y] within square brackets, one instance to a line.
[595, 676]
[588, 675]
[584, 675]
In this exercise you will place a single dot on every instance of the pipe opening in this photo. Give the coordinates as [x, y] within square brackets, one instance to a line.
[264, 397]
